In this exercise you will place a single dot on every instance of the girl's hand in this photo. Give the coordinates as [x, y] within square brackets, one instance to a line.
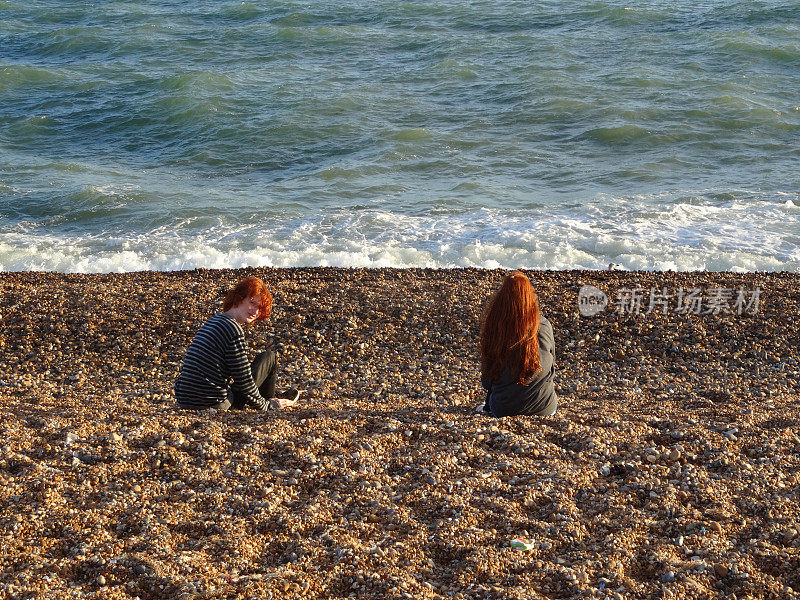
[284, 403]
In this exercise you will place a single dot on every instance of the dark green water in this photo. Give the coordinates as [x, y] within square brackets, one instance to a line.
[655, 135]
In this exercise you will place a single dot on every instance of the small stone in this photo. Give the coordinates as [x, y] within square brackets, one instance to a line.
[716, 527]
[90, 459]
[720, 570]
[731, 434]
[674, 454]
[668, 577]
[101, 580]
[139, 569]
[71, 438]
[115, 437]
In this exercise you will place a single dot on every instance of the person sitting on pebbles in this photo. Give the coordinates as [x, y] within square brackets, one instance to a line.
[216, 372]
[517, 353]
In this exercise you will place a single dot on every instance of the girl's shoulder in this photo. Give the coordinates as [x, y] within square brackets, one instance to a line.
[545, 329]
[226, 323]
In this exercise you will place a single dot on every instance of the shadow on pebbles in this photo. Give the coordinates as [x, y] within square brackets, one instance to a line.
[670, 469]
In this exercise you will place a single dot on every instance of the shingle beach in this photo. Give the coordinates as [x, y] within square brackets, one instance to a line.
[671, 469]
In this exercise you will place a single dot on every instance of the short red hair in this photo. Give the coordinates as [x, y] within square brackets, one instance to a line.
[247, 288]
[510, 331]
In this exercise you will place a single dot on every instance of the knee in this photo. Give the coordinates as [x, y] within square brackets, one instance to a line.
[265, 359]
[551, 410]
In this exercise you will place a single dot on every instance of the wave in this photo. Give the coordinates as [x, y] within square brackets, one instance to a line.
[616, 135]
[683, 235]
[78, 42]
[772, 48]
[245, 11]
[15, 76]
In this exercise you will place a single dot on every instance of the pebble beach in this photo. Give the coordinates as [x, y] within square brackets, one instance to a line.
[671, 469]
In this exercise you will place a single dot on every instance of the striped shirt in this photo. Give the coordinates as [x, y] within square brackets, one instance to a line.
[217, 356]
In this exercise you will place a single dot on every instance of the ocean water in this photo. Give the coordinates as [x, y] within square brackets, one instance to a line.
[492, 133]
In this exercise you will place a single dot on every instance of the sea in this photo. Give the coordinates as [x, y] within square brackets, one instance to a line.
[569, 134]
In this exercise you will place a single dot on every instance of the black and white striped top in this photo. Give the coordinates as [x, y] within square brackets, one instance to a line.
[217, 355]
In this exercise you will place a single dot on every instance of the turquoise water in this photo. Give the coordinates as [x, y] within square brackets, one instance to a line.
[654, 135]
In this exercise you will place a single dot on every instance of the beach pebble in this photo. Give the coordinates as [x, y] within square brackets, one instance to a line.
[335, 491]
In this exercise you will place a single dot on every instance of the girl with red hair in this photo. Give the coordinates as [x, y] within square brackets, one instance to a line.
[216, 372]
[517, 352]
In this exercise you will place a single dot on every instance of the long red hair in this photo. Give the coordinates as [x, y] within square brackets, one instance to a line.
[510, 331]
[247, 288]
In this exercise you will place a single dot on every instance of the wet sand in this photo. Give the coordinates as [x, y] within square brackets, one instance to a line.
[670, 470]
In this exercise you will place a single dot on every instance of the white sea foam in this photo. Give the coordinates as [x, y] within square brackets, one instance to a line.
[682, 236]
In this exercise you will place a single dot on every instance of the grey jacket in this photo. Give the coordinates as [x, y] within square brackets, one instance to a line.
[507, 397]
